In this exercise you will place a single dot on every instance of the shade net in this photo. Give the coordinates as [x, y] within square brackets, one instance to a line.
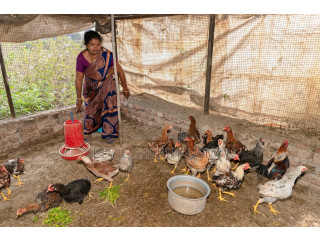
[264, 68]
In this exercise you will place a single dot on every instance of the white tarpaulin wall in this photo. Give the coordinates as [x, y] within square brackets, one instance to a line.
[265, 67]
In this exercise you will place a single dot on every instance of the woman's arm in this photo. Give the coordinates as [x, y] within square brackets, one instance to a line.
[123, 80]
[79, 79]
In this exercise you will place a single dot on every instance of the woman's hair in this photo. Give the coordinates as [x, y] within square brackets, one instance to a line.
[88, 35]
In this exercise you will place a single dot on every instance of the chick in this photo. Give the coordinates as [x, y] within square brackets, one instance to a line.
[126, 163]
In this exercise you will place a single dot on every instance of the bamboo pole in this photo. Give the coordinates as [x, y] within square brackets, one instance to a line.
[209, 65]
[116, 77]
[6, 84]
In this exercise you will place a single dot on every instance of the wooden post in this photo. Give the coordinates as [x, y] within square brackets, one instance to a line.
[116, 77]
[209, 64]
[6, 84]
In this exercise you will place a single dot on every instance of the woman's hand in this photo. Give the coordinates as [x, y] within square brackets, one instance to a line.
[126, 93]
[78, 105]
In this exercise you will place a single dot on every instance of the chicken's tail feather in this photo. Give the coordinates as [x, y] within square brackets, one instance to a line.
[262, 170]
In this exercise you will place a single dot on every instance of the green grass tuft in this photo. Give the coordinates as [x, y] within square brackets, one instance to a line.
[58, 217]
[111, 195]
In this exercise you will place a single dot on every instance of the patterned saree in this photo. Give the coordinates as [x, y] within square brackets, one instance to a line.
[100, 97]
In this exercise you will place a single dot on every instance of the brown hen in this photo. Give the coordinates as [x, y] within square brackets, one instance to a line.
[157, 145]
[5, 181]
[232, 144]
[193, 131]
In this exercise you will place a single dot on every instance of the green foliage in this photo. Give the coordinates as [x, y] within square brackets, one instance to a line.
[35, 219]
[41, 74]
[111, 194]
[58, 217]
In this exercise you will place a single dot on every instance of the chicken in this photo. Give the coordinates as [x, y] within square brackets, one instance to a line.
[197, 164]
[230, 180]
[169, 147]
[232, 144]
[74, 191]
[174, 158]
[254, 157]
[210, 142]
[192, 150]
[157, 145]
[15, 167]
[103, 170]
[206, 138]
[104, 155]
[277, 166]
[5, 180]
[214, 155]
[126, 163]
[44, 201]
[182, 136]
[279, 189]
[193, 131]
[183, 147]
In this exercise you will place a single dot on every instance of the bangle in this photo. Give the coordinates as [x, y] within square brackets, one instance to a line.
[127, 90]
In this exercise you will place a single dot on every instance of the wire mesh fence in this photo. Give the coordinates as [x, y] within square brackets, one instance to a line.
[264, 69]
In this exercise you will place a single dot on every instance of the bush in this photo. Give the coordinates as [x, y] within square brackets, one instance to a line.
[41, 75]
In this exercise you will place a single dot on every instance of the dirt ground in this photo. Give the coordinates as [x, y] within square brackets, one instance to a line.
[143, 200]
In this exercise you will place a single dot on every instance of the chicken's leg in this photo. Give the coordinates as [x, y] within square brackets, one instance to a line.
[127, 179]
[209, 179]
[198, 175]
[8, 192]
[18, 177]
[220, 197]
[172, 172]
[213, 170]
[161, 157]
[155, 158]
[98, 180]
[235, 166]
[188, 172]
[4, 197]
[272, 209]
[183, 170]
[256, 206]
[110, 185]
[229, 193]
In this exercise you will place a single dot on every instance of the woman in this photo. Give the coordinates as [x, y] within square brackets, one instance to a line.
[95, 66]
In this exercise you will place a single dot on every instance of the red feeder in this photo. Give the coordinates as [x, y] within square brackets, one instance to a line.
[73, 135]
[74, 146]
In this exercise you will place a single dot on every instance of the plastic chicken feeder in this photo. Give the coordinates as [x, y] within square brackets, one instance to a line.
[73, 135]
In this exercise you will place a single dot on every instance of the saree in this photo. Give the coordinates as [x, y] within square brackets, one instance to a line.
[100, 97]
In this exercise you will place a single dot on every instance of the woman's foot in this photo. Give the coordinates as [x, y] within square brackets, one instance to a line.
[109, 140]
[87, 137]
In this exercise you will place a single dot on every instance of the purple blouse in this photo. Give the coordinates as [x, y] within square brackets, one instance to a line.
[82, 63]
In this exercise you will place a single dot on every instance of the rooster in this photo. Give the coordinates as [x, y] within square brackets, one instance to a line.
[157, 145]
[193, 131]
[279, 189]
[254, 157]
[232, 144]
[277, 166]
[74, 191]
[126, 163]
[230, 180]
[15, 167]
[103, 170]
[174, 158]
[44, 201]
[5, 181]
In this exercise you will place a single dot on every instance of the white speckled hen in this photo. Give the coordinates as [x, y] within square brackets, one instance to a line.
[15, 167]
[126, 163]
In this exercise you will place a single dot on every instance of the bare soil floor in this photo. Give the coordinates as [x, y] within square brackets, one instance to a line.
[143, 200]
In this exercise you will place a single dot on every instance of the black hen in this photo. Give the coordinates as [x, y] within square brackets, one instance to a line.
[210, 143]
[182, 136]
[15, 167]
[278, 165]
[254, 157]
[74, 191]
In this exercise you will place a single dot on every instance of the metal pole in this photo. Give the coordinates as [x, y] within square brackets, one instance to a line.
[6, 84]
[209, 64]
[116, 77]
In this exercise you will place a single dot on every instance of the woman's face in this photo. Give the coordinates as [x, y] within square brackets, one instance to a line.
[94, 46]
